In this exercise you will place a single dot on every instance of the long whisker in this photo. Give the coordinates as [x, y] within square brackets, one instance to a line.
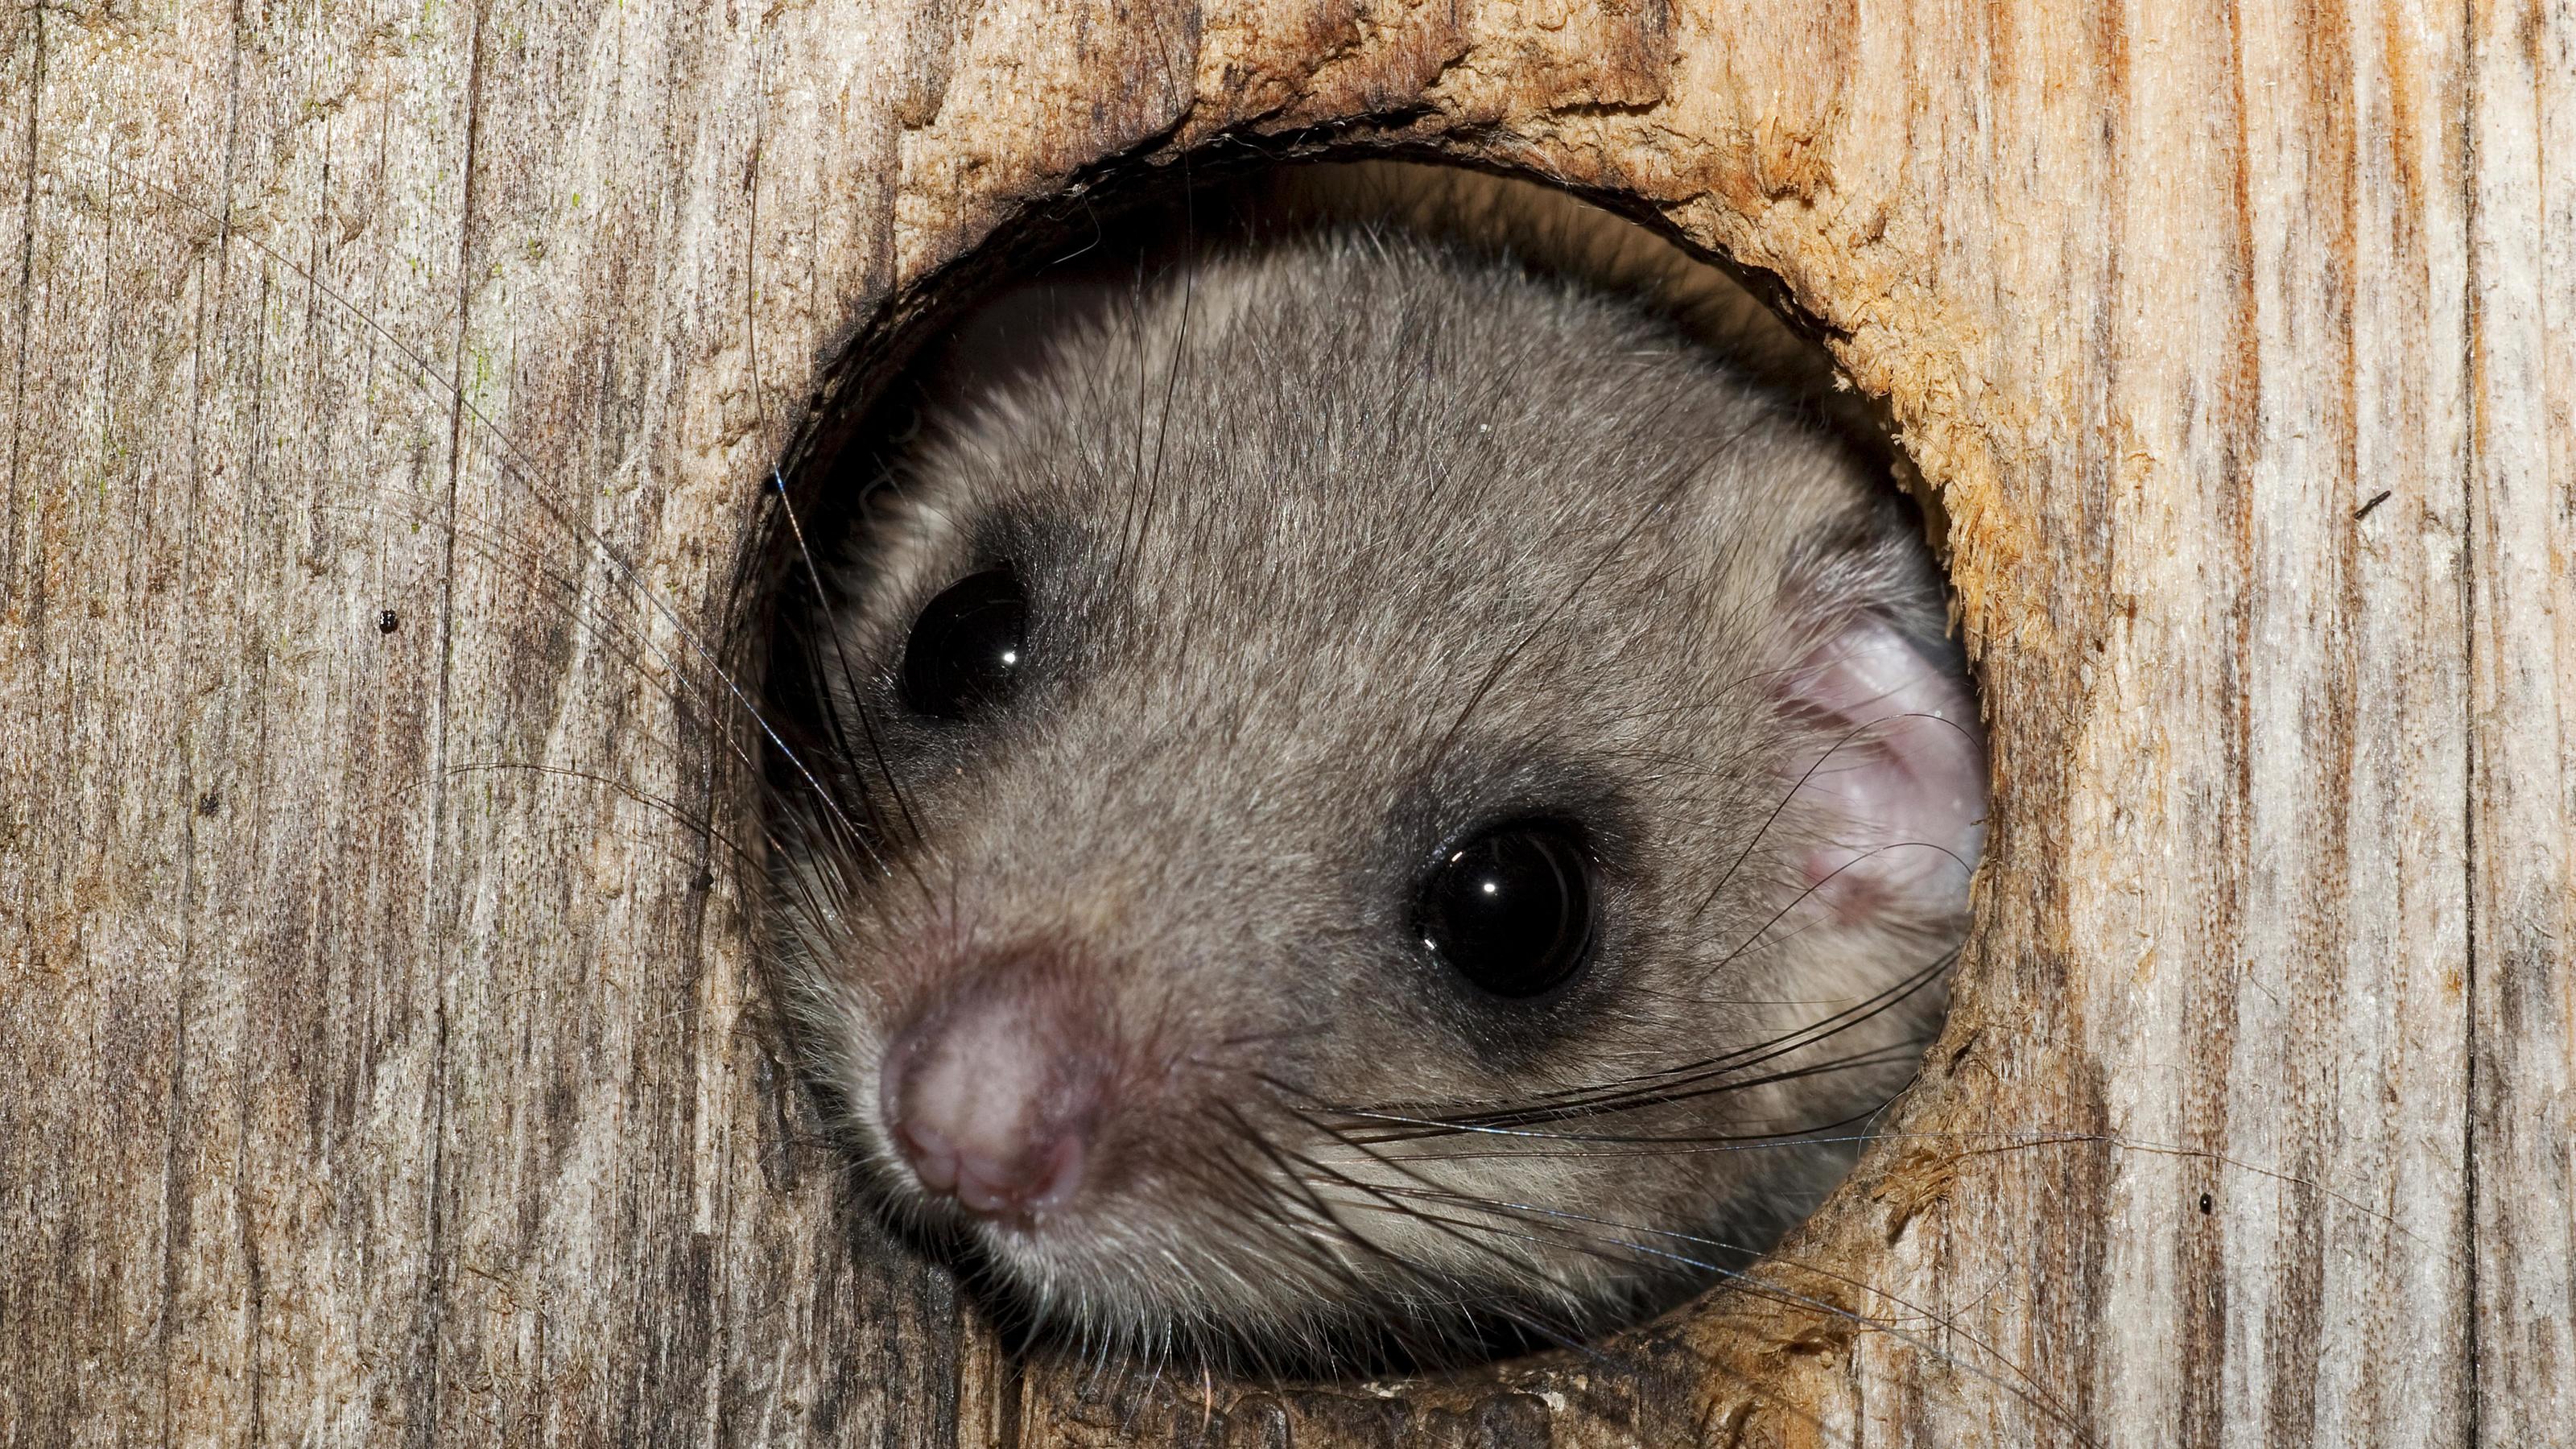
[1738, 1140]
[1663, 500]
[2021, 1381]
[1628, 1093]
[822, 603]
[1584, 1234]
[518, 468]
[1809, 774]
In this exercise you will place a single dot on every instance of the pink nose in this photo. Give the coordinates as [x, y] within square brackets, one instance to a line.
[986, 1111]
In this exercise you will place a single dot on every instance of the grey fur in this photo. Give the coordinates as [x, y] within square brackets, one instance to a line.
[1337, 548]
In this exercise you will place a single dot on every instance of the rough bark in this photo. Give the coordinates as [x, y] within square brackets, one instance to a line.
[391, 397]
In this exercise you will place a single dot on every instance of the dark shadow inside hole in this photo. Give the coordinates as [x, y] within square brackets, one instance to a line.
[850, 629]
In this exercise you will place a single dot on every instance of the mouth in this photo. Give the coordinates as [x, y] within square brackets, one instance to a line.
[1088, 1193]
[1247, 1279]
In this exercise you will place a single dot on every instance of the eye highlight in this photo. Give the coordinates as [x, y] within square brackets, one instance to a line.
[1511, 909]
[967, 645]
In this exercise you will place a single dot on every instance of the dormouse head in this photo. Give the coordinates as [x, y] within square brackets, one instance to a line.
[1369, 796]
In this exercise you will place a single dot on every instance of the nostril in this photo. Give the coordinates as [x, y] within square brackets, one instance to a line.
[982, 1115]
[932, 1159]
[1039, 1180]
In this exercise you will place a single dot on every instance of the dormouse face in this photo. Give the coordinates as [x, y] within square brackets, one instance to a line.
[1372, 797]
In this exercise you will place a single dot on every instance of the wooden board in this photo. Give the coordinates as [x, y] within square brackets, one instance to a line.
[392, 396]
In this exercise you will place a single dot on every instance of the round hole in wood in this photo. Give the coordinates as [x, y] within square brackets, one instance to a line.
[1373, 776]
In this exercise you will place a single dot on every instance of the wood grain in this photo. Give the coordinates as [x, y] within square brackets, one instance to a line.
[2522, 739]
[392, 397]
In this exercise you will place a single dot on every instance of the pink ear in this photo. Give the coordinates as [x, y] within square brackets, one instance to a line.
[1900, 778]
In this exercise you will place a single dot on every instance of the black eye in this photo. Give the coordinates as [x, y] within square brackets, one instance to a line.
[967, 644]
[1511, 909]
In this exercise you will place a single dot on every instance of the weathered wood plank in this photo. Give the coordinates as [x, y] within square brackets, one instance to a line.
[409, 1100]
[382, 1053]
[2522, 604]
